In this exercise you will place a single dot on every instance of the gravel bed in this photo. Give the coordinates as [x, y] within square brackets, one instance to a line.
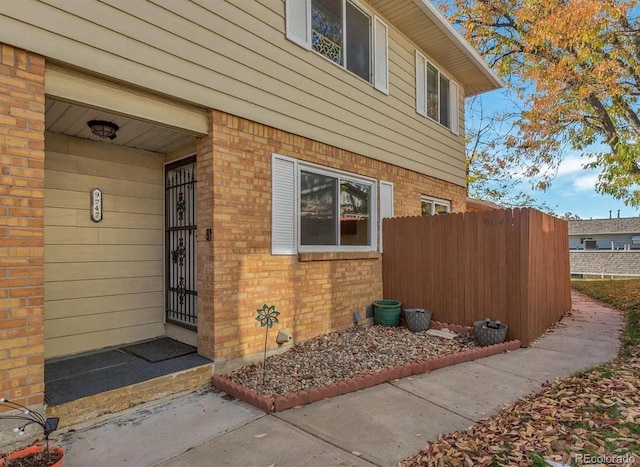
[343, 355]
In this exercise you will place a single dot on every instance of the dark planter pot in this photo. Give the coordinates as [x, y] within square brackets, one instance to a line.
[417, 319]
[487, 335]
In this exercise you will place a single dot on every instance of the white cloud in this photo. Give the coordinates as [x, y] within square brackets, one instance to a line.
[571, 165]
[568, 166]
[585, 183]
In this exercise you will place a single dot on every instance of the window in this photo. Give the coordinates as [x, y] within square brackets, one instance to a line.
[335, 209]
[328, 35]
[436, 95]
[345, 33]
[433, 206]
[316, 208]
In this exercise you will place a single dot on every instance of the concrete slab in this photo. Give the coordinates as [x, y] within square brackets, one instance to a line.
[154, 432]
[471, 390]
[384, 423]
[597, 314]
[589, 330]
[540, 364]
[601, 350]
[267, 441]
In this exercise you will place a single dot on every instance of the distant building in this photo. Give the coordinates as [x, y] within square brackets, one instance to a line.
[474, 204]
[605, 234]
[605, 247]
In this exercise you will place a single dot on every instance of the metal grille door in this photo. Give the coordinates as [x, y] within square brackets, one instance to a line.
[180, 243]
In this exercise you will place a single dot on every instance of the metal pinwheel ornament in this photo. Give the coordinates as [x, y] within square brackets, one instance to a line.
[267, 315]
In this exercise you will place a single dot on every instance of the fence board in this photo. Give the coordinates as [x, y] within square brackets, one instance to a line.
[511, 265]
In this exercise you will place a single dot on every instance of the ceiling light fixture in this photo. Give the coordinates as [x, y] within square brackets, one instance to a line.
[103, 129]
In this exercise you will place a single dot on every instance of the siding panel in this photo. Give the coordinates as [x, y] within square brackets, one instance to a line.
[95, 340]
[233, 56]
[103, 281]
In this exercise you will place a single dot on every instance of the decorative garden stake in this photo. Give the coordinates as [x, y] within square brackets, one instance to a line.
[28, 417]
[267, 315]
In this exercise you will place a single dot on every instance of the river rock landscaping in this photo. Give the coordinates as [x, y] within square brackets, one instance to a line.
[343, 355]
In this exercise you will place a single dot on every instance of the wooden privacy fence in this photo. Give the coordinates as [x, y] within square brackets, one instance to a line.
[510, 264]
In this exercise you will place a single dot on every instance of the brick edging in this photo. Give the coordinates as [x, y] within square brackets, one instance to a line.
[452, 327]
[279, 403]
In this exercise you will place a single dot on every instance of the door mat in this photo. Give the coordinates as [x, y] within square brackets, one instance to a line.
[159, 350]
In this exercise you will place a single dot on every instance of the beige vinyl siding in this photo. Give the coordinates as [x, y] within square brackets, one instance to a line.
[104, 280]
[233, 56]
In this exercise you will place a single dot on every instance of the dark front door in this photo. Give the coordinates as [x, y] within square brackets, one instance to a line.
[180, 243]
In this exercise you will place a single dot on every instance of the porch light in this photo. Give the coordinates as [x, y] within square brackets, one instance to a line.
[103, 129]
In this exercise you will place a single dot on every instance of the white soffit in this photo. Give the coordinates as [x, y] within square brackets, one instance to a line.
[429, 29]
[75, 87]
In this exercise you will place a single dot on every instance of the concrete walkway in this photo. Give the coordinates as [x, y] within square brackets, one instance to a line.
[377, 426]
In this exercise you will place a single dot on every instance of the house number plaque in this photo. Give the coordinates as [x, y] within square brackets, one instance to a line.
[96, 205]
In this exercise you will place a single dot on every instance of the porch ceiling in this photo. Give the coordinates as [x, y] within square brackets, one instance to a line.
[71, 120]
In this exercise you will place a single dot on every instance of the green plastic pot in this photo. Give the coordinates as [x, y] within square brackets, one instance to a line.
[387, 312]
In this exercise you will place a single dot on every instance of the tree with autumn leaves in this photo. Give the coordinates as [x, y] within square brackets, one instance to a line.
[575, 66]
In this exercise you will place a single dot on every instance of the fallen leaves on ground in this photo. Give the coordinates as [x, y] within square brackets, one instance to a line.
[595, 413]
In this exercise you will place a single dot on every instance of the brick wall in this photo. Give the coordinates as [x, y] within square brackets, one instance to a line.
[314, 296]
[205, 260]
[617, 262]
[21, 226]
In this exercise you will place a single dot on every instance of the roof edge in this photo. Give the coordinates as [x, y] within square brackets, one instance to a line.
[447, 28]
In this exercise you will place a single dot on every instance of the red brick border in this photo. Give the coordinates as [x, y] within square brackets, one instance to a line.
[373, 378]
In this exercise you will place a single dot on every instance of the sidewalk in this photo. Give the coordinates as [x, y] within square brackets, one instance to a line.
[377, 426]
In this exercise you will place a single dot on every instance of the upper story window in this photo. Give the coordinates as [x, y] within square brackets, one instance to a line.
[343, 32]
[436, 94]
[433, 206]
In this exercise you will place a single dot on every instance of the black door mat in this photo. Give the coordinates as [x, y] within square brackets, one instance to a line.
[159, 350]
[55, 369]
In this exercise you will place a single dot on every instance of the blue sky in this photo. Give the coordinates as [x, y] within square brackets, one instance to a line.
[573, 188]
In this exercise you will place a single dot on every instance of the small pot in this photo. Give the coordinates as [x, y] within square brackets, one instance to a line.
[417, 319]
[489, 332]
[33, 450]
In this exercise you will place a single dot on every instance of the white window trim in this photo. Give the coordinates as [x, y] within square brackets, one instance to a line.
[301, 9]
[373, 216]
[386, 188]
[434, 201]
[285, 212]
[422, 63]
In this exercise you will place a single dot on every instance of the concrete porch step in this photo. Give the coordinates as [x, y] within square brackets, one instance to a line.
[116, 400]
